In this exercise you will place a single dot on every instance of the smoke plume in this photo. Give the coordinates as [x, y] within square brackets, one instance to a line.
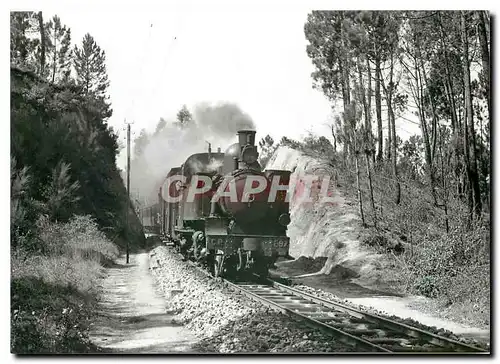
[172, 144]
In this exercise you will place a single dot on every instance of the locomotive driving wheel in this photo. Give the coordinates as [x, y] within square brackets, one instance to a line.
[261, 265]
[218, 263]
[242, 260]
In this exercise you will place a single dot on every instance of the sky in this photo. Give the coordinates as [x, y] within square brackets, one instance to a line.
[158, 60]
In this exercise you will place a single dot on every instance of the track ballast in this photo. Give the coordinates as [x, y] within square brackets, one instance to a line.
[354, 327]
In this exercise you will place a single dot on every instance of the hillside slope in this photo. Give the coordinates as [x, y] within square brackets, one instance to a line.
[327, 230]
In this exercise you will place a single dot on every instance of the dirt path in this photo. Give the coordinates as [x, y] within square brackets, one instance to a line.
[132, 315]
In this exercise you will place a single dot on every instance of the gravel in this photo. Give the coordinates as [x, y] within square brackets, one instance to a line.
[226, 322]
[408, 321]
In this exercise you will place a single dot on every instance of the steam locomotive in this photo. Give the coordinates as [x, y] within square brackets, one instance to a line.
[205, 210]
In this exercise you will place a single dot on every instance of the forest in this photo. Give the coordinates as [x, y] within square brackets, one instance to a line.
[424, 201]
[68, 201]
[384, 71]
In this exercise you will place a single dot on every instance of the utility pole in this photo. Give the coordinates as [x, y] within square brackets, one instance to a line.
[128, 189]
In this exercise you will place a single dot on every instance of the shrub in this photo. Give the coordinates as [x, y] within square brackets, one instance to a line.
[453, 266]
[76, 238]
[47, 318]
[53, 292]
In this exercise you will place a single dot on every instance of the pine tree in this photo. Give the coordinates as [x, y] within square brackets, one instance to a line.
[22, 24]
[91, 75]
[140, 143]
[184, 117]
[59, 51]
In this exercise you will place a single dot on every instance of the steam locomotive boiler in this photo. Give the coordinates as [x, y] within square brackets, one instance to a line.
[223, 226]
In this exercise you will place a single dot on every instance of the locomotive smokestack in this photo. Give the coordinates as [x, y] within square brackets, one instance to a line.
[246, 137]
[218, 150]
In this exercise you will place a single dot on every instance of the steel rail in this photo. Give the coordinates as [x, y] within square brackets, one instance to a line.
[392, 325]
[343, 336]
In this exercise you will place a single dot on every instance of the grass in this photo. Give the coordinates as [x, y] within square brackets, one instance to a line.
[53, 295]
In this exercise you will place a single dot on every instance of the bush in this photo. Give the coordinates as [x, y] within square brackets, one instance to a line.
[48, 318]
[76, 238]
[53, 294]
[453, 266]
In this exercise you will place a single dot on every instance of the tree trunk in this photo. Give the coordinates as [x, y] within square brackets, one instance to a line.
[369, 174]
[366, 108]
[485, 58]
[444, 186]
[345, 104]
[418, 95]
[42, 44]
[433, 134]
[378, 109]
[334, 138]
[369, 103]
[346, 88]
[389, 92]
[470, 141]
[394, 153]
[389, 135]
[54, 66]
[451, 100]
[360, 199]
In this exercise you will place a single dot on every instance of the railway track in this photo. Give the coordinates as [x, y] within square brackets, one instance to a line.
[351, 326]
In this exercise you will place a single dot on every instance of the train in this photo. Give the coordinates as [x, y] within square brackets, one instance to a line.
[210, 209]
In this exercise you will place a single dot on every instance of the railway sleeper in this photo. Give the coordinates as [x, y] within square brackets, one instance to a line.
[282, 301]
[363, 331]
[324, 316]
[388, 340]
[413, 349]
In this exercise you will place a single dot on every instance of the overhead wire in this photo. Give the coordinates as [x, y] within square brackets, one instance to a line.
[168, 54]
[143, 63]
[141, 68]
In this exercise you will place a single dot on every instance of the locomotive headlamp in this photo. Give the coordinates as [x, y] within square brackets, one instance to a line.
[249, 155]
[284, 219]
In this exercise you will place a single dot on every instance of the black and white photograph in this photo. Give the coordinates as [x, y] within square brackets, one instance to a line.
[207, 178]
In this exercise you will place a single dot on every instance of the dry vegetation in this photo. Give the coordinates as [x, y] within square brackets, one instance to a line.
[53, 293]
[438, 255]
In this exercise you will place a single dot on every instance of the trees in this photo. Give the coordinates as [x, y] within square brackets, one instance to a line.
[430, 192]
[160, 126]
[343, 46]
[43, 43]
[23, 38]
[59, 50]
[469, 130]
[140, 143]
[89, 63]
[184, 117]
[267, 149]
[434, 65]
[64, 150]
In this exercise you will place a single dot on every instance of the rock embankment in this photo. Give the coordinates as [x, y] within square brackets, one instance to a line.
[226, 322]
